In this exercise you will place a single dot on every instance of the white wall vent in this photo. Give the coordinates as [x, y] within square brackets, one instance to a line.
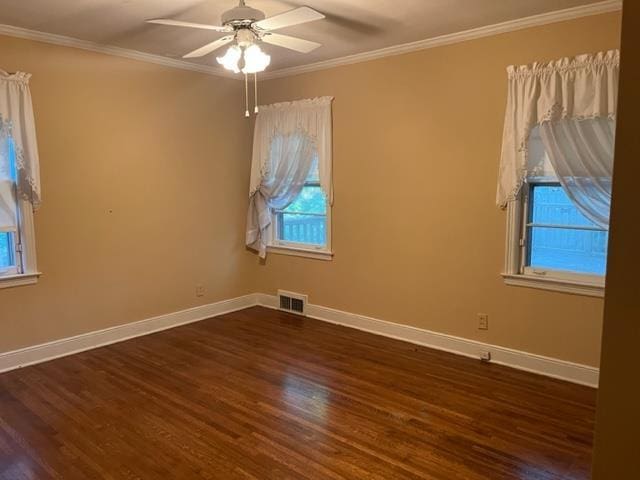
[292, 302]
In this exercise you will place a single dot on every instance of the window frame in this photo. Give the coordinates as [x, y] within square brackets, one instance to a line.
[318, 252]
[516, 270]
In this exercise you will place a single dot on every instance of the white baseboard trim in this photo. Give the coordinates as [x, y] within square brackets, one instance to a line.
[550, 367]
[87, 341]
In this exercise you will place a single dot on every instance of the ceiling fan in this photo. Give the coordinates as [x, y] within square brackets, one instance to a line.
[246, 27]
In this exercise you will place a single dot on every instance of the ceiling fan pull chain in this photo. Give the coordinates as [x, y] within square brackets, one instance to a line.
[246, 96]
[255, 96]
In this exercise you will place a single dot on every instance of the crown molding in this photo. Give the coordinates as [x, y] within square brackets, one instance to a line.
[64, 41]
[475, 33]
[452, 38]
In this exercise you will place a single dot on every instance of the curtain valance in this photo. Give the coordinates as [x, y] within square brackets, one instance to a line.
[16, 107]
[311, 117]
[579, 88]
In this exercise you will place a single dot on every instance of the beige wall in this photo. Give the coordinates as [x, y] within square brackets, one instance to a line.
[417, 237]
[617, 451]
[145, 173]
[144, 180]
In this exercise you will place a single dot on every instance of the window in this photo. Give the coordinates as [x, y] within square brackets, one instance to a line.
[561, 239]
[17, 249]
[304, 225]
[9, 264]
[291, 173]
[551, 244]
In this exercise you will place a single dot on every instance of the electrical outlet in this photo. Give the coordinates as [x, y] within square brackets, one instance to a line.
[200, 291]
[483, 321]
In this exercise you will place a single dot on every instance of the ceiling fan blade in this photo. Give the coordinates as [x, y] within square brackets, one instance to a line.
[210, 47]
[178, 23]
[290, 18]
[292, 43]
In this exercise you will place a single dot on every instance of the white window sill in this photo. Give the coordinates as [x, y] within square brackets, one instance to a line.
[575, 287]
[17, 280]
[316, 254]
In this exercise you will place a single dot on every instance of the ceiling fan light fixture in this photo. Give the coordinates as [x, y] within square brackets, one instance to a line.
[246, 27]
[255, 60]
[231, 59]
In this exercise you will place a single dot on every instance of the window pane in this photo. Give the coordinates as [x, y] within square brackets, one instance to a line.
[303, 228]
[582, 251]
[305, 221]
[579, 250]
[310, 200]
[6, 257]
[552, 206]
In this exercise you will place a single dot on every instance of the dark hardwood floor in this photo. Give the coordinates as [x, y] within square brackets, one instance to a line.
[261, 394]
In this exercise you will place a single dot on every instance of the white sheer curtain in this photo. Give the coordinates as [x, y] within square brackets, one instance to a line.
[581, 152]
[288, 138]
[8, 206]
[291, 159]
[16, 107]
[553, 96]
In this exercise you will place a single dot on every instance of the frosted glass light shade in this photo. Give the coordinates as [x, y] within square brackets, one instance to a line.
[255, 60]
[231, 59]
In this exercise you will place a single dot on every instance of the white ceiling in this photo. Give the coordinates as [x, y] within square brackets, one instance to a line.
[351, 27]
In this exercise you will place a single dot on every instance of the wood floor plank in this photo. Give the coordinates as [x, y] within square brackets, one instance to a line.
[261, 394]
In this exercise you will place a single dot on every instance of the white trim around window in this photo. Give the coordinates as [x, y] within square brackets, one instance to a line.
[556, 284]
[300, 251]
[516, 273]
[26, 271]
